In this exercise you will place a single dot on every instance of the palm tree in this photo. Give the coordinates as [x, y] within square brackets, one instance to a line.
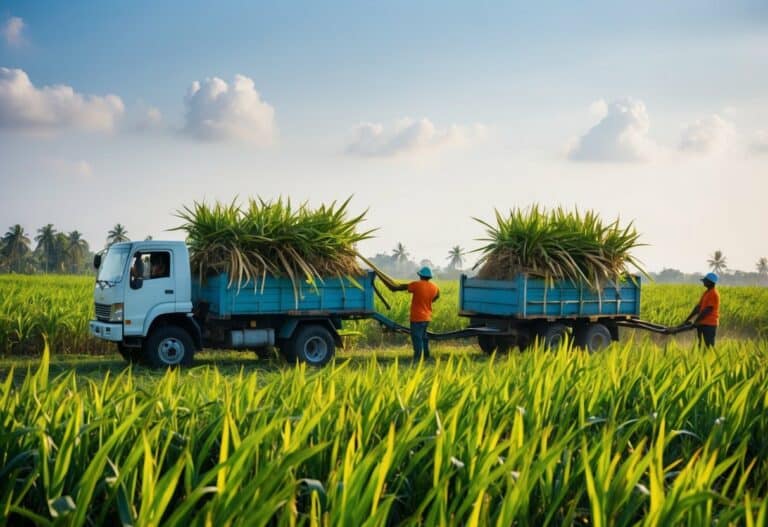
[456, 257]
[15, 247]
[399, 253]
[762, 267]
[77, 248]
[717, 262]
[46, 244]
[59, 259]
[117, 234]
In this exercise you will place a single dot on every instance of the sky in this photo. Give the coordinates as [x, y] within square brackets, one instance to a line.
[428, 113]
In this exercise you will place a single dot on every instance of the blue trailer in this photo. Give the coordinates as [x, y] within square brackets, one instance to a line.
[303, 320]
[527, 308]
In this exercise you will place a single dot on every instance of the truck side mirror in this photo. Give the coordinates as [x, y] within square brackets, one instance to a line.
[96, 261]
[137, 282]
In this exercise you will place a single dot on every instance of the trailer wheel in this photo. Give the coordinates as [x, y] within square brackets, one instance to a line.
[313, 345]
[487, 343]
[554, 335]
[595, 337]
[169, 346]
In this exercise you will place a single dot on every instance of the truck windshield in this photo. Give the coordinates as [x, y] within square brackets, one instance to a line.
[112, 266]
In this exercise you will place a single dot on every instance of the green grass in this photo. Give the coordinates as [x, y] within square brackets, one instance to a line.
[636, 435]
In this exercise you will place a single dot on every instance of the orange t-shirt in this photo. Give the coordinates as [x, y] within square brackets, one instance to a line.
[710, 298]
[424, 292]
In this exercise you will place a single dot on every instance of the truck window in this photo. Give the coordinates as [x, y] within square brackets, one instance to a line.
[156, 264]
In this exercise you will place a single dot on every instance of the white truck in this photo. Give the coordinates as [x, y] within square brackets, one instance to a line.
[158, 313]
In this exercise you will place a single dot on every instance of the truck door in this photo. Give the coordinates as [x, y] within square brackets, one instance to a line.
[151, 289]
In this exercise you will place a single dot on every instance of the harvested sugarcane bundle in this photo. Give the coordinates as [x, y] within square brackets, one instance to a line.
[273, 238]
[558, 244]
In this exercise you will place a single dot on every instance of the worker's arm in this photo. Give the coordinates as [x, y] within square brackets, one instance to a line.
[436, 296]
[693, 313]
[703, 313]
[394, 286]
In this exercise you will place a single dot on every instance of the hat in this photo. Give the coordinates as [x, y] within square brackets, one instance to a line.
[425, 272]
[712, 277]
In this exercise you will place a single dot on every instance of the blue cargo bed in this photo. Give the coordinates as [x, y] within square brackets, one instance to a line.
[525, 297]
[275, 296]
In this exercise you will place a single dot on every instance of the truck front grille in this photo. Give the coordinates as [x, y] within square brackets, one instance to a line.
[102, 312]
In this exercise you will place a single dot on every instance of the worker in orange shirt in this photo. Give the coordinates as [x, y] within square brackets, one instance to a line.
[706, 315]
[424, 293]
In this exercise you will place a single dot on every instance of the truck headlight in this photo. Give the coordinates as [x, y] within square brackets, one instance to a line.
[116, 313]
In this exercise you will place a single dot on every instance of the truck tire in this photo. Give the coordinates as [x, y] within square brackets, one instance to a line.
[595, 337]
[313, 344]
[553, 335]
[168, 347]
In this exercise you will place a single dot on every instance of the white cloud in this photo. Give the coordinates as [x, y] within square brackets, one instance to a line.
[598, 109]
[25, 107]
[11, 31]
[149, 118]
[217, 111]
[712, 134]
[759, 144]
[409, 136]
[621, 135]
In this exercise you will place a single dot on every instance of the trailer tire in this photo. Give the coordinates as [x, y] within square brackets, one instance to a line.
[169, 347]
[595, 337]
[313, 344]
[553, 335]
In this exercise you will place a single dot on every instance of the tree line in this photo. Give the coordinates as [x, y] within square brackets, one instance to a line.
[399, 263]
[49, 250]
[52, 251]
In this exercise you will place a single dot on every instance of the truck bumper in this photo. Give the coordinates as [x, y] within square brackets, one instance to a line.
[106, 330]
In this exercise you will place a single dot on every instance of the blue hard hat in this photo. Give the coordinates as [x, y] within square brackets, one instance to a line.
[712, 277]
[425, 272]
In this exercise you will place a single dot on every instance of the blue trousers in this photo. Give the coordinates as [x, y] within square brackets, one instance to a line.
[420, 340]
[706, 335]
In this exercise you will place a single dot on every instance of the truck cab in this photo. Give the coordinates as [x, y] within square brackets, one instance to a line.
[143, 303]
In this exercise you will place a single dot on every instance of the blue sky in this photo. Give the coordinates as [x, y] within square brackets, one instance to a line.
[429, 114]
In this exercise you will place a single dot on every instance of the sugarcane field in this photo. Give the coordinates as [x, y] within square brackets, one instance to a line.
[351, 264]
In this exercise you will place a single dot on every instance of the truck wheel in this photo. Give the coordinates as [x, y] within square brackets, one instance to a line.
[313, 345]
[487, 343]
[595, 337]
[554, 335]
[169, 346]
